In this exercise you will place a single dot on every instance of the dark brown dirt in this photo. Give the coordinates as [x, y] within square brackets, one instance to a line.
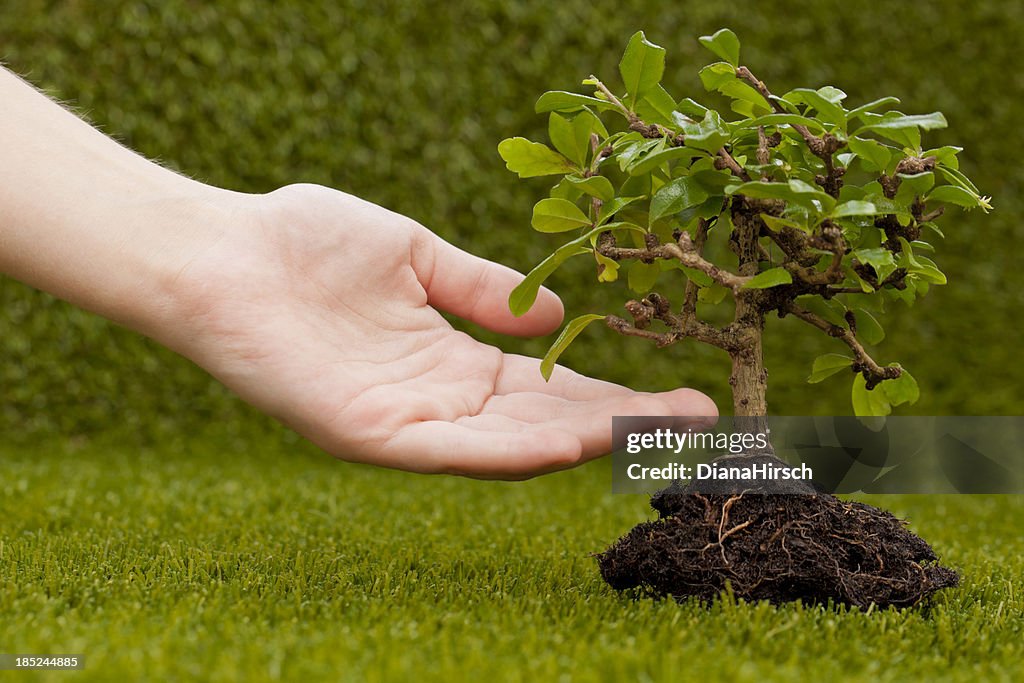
[809, 547]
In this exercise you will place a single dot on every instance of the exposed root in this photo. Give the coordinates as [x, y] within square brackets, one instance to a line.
[810, 548]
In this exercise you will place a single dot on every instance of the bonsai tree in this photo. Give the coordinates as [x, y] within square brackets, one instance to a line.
[790, 204]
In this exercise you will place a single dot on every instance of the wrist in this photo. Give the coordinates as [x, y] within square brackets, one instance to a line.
[187, 256]
[91, 222]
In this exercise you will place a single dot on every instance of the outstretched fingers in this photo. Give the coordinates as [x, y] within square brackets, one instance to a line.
[477, 289]
[522, 374]
[438, 447]
[590, 421]
[525, 434]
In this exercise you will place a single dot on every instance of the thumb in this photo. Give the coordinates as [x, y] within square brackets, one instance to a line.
[477, 289]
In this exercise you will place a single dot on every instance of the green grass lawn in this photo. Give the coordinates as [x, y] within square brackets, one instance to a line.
[229, 560]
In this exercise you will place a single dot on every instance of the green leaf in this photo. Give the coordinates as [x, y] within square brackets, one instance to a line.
[857, 279]
[657, 106]
[897, 121]
[636, 186]
[796, 191]
[777, 223]
[608, 269]
[691, 108]
[559, 100]
[868, 328]
[707, 210]
[642, 65]
[699, 277]
[596, 186]
[832, 94]
[951, 194]
[945, 155]
[531, 159]
[569, 333]
[558, 215]
[570, 134]
[738, 90]
[609, 209]
[934, 228]
[878, 258]
[563, 189]
[762, 189]
[913, 185]
[873, 154]
[770, 278]
[788, 106]
[622, 225]
[780, 120]
[675, 196]
[709, 135]
[743, 107]
[616, 140]
[522, 297]
[891, 126]
[655, 159]
[828, 365]
[958, 178]
[849, 191]
[928, 271]
[827, 110]
[855, 207]
[901, 128]
[525, 293]
[866, 403]
[886, 205]
[870, 106]
[725, 44]
[901, 390]
[800, 187]
[714, 76]
[712, 295]
[633, 151]
[712, 180]
[642, 276]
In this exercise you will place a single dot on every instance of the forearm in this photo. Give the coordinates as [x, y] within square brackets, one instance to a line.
[88, 220]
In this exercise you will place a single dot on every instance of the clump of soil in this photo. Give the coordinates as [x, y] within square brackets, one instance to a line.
[809, 547]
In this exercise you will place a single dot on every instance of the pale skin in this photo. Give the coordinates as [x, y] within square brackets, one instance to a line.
[315, 306]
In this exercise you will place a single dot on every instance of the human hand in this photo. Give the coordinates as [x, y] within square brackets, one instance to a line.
[313, 305]
[319, 309]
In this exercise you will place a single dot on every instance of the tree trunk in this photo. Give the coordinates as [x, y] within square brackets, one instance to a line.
[750, 383]
[749, 379]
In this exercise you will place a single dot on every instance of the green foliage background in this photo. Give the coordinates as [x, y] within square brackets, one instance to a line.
[404, 103]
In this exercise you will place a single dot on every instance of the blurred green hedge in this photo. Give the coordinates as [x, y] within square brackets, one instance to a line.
[403, 104]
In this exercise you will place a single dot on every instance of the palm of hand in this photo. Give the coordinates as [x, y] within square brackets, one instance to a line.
[322, 314]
